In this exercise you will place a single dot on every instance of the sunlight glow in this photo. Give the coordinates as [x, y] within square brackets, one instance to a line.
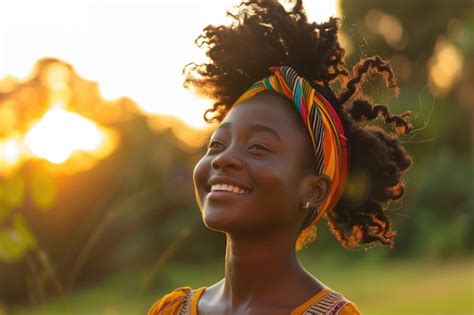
[388, 26]
[445, 67]
[60, 133]
[131, 49]
[320, 11]
[11, 153]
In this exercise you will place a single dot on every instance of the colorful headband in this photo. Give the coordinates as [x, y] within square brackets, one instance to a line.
[322, 122]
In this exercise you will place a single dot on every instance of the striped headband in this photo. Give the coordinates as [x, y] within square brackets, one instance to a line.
[322, 122]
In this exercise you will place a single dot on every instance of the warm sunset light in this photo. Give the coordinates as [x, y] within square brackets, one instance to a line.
[11, 152]
[147, 68]
[320, 11]
[60, 133]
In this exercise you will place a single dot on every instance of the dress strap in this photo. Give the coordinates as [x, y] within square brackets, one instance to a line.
[330, 304]
[185, 308]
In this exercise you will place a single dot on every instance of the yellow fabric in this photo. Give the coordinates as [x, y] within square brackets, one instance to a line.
[171, 302]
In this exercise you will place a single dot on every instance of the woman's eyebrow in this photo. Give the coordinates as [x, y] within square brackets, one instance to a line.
[256, 127]
[266, 129]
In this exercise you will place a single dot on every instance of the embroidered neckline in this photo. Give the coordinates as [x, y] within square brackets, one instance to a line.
[325, 301]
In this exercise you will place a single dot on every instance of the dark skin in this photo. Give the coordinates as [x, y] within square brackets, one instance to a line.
[263, 223]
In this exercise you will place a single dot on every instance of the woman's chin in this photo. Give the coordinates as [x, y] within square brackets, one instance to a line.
[217, 221]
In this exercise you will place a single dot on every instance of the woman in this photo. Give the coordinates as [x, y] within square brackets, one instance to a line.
[283, 156]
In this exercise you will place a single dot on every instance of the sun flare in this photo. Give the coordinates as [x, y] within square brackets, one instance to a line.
[60, 133]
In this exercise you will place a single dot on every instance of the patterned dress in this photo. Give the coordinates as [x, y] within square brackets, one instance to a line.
[184, 300]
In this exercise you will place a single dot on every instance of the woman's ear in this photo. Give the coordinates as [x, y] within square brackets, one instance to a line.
[315, 190]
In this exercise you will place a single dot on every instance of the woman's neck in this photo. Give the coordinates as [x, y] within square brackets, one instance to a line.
[260, 272]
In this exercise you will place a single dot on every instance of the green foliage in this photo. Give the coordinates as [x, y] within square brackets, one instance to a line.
[16, 240]
[16, 237]
[434, 217]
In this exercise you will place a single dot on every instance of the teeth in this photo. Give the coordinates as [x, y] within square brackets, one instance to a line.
[231, 188]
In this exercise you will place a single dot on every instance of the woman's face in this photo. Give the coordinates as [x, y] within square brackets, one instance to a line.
[259, 152]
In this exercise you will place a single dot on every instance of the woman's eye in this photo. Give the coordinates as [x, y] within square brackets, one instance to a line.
[214, 144]
[258, 146]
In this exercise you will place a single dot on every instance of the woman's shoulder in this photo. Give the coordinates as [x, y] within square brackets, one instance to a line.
[349, 309]
[335, 303]
[172, 302]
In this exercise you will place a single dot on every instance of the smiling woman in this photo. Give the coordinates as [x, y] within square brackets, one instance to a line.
[288, 151]
[259, 161]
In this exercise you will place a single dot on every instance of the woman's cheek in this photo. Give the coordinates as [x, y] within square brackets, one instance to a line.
[274, 186]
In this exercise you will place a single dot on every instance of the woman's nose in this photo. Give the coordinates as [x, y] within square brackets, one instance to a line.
[226, 159]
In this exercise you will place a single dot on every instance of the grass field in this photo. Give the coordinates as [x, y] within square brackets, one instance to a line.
[403, 287]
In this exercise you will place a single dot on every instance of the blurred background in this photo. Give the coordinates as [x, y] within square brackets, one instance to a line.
[98, 140]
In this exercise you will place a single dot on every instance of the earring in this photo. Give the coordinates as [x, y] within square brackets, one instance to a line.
[306, 206]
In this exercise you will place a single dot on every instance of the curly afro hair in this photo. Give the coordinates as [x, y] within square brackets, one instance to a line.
[264, 34]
